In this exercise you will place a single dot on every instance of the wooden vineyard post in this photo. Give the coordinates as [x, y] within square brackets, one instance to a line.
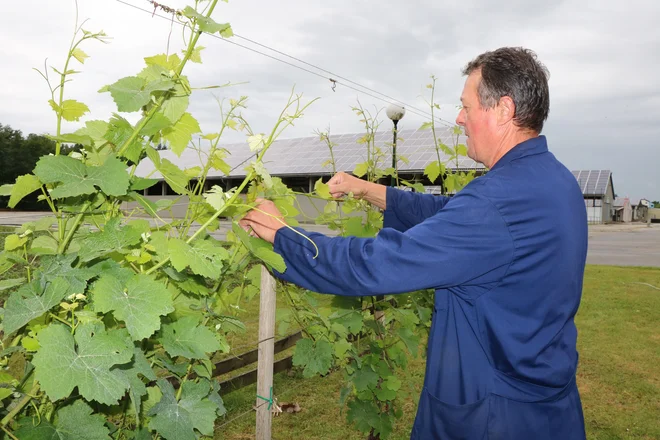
[266, 355]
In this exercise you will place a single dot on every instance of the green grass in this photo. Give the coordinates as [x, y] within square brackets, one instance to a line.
[618, 375]
[619, 346]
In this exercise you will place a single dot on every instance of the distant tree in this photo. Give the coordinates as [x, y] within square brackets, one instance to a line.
[18, 156]
[656, 203]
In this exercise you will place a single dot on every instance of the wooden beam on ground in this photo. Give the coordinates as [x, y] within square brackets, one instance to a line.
[250, 357]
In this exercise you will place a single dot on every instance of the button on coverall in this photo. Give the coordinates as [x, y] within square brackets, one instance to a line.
[506, 258]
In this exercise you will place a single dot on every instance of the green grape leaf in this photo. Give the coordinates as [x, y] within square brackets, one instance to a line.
[26, 184]
[128, 94]
[445, 149]
[73, 422]
[227, 32]
[409, 339]
[113, 237]
[260, 249]
[158, 240]
[432, 170]
[67, 170]
[65, 362]
[215, 197]
[315, 357]
[218, 162]
[13, 242]
[364, 414]
[140, 183]
[365, 379]
[174, 176]
[461, 150]
[203, 257]
[72, 138]
[73, 110]
[139, 302]
[215, 398]
[352, 320]
[322, 189]
[361, 169]
[354, 227]
[175, 106]
[54, 267]
[162, 60]
[77, 179]
[180, 135]
[256, 142]
[260, 170]
[185, 337]
[131, 372]
[96, 130]
[341, 347]
[44, 245]
[80, 55]
[5, 190]
[206, 24]
[426, 126]
[153, 72]
[119, 132]
[159, 85]
[9, 284]
[157, 123]
[30, 302]
[111, 177]
[178, 420]
[195, 56]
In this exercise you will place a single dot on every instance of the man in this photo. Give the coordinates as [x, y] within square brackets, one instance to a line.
[505, 256]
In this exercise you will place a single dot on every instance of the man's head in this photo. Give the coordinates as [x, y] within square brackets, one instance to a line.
[505, 101]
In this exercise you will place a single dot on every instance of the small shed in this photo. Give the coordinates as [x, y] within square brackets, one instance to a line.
[623, 212]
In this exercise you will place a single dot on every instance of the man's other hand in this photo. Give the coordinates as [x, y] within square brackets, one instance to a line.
[265, 220]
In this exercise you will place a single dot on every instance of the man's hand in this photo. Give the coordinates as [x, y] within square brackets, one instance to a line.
[341, 184]
[265, 220]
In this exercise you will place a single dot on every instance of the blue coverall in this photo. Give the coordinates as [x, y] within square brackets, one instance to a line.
[506, 258]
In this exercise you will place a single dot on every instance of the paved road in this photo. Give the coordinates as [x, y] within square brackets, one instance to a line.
[621, 245]
[634, 246]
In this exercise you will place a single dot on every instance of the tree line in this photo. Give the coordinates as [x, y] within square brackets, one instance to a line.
[18, 156]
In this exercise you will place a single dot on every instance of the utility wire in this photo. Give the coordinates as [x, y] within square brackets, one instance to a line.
[410, 108]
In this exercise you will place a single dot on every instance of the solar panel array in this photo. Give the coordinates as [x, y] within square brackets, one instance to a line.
[593, 182]
[306, 156]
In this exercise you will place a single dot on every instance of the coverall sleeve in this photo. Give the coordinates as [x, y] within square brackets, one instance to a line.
[467, 242]
[405, 209]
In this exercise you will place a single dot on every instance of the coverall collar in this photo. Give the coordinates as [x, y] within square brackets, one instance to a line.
[530, 147]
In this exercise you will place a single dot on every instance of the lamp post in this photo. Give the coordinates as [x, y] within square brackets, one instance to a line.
[395, 113]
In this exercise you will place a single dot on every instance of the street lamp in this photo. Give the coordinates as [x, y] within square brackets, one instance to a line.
[395, 113]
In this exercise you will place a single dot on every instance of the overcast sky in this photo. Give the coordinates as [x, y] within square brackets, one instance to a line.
[603, 57]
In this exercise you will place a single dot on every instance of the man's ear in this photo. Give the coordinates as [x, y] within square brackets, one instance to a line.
[506, 110]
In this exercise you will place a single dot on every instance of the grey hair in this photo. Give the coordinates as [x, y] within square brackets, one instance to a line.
[514, 72]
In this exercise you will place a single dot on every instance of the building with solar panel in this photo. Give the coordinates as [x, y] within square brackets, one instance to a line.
[300, 162]
[598, 192]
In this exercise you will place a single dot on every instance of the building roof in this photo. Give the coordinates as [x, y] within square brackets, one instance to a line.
[620, 202]
[594, 182]
[309, 155]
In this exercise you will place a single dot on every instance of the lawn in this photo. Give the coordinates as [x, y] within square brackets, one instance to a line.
[618, 375]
